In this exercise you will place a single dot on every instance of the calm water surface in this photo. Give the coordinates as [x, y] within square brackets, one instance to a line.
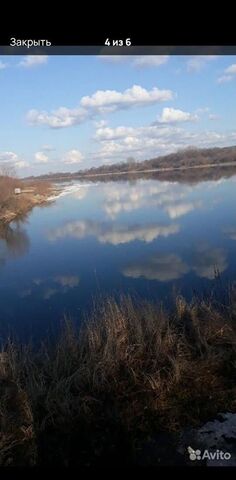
[144, 237]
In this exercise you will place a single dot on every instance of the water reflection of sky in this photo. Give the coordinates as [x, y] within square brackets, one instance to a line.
[142, 237]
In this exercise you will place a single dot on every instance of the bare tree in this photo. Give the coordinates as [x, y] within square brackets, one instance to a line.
[7, 170]
[131, 160]
[7, 184]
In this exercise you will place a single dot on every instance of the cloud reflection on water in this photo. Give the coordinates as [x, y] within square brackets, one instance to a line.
[205, 262]
[168, 196]
[114, 234]
[59, 284]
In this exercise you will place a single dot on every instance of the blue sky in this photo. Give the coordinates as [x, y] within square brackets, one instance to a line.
[64, 113]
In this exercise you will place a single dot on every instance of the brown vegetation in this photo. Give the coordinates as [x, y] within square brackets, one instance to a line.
[7, 186]
[13, 206]
[183, 159]
[131, 371]
[40, 187]
[17, 445]
[190, 157]
[188, 176]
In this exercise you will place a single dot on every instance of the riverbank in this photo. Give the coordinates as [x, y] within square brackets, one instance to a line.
[17, 198]
[133, 371]
[192, 174]
[178, 163]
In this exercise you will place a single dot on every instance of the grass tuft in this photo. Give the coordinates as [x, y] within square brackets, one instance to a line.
[132, 370]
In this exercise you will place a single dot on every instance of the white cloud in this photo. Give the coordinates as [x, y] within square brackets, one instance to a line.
[111, 100]
[102, 101]
[40, 157]
[150, 60]
[30, 61]
[231, 69]
[213, 116]
[107, 133]
[116, 144]
[62, 117]
[202, 110]
[72, 157]
[137, 60]
[3, 65]
[225, 79]
[172, 115]
[114, 58]
[48, 148]
[198, 62]
[228, 75]
[129, 135]
[100, 123]
[13, 160]
[8, 157]
[21, 164]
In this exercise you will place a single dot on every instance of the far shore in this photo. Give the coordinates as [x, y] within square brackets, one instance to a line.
[166, 169]
[74, 176]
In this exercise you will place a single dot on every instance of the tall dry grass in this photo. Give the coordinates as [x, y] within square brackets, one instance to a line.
[41, 187]
[7, 186]
[131, 371]
[14, 206]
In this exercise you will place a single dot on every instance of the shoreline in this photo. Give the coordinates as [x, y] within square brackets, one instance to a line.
[31, 198]
[164, 169]
[21, 204]
[134, 172]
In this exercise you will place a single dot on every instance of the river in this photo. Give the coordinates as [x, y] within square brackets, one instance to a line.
[148, 238]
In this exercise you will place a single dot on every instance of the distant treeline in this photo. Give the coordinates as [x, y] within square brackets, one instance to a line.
[188, 176]
[190, 157]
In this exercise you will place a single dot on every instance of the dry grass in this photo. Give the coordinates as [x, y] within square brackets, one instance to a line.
[7, 186]
[131, 371]
[42, 187]
[14, 206]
